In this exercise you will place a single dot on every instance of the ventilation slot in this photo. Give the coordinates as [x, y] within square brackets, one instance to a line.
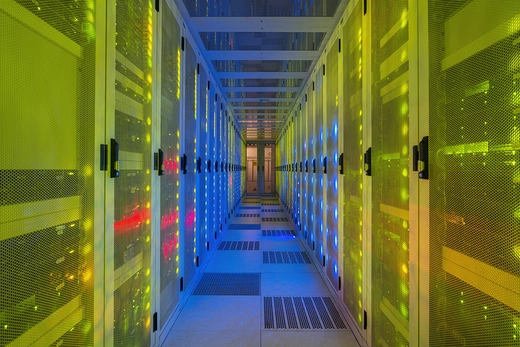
[239, 246]
[301, 313]
[278, 233]
[284, 257]
[248, 215]
[274, 219]
[229, 284]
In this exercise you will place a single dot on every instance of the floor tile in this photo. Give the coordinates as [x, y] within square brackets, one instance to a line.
[293, 284]
[219, 338]
[336, 338]
[238, 313]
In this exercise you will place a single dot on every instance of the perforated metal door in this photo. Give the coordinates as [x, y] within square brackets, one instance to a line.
[331, 177]
[474, 173]
[320, 215]
[311, 177]
[202, 153]
[390, 182]
[170, 145]
[353, 164]
[48, 172]
[190, 150]
[131, 121]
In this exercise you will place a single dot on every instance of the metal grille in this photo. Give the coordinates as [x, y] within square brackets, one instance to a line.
[271, 204]
[234, 284]
[251, 201]
[170, 141]
[47, 204]
[474, 173]
[249, 207]
[275, 219]
[390, 176]
[353, 165]
[273, 210]
[331, 134]
[248, 215]
[278, 233]
[285, 257]
[301, 313]
[239, 246]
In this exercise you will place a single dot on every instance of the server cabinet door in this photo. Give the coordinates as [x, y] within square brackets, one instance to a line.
[51, 200]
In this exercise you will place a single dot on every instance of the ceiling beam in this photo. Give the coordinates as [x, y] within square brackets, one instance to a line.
[262, 24]
[261, 75]
[261, 89]
[261, 107]
[233, 100]
[262, 55]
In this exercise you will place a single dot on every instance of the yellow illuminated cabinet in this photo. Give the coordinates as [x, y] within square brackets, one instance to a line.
[98, 241]
[429, 128]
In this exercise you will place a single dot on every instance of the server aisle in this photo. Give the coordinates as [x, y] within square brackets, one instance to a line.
[260, 288]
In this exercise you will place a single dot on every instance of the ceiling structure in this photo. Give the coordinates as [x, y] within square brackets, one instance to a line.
[261, 52]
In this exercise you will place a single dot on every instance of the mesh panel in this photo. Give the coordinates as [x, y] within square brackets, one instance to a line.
[170, 139]
[202, 179]
[311, 177]
[47, 78]
[133, 113]
[390, 281]
[190, 179]
[353, 165]
[331, 178]
[319, 211]
[474, 203]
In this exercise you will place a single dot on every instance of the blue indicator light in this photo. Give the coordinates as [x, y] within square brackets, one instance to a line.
[321, 249]
[336, 213]
[335, 130]
[335, 157]
[336, 184]
[335, 268]
[336, 240]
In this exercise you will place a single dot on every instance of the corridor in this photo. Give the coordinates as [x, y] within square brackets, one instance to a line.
[260, 288]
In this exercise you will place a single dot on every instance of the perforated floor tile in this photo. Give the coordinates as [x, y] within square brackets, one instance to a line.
[229, 284]
[301, 313]
[239, 246]
[284, 257]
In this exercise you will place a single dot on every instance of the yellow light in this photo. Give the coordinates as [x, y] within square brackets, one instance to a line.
[405, 172]
[404, 267]
[149, 121]
[148, 205]
[147, 188]
[148, 138]
[147, 237]
[147, 289]
[87, 249]
[404, 246]
[147, 171]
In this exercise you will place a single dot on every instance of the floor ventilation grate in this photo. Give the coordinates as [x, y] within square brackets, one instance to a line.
[301, 313]
[274, 219]
[239, 246]
[273, 210]
[286, 257]
[247, 284]
[271, 203]
[248, 215]
[278, 233]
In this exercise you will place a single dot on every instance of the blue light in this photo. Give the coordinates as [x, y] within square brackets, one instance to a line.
[321, 182]
[336, 213]
[335, 157]
[335, 268]
[321, 249]
[335, 130]
[336, 184]
[336, 240]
